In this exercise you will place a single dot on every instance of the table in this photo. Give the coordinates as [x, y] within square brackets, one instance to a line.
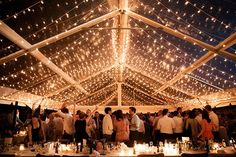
[115, 153]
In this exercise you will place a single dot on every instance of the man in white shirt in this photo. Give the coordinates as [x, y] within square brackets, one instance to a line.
[166, 125]
[134, 125]
[107, 126]
[215, 120]
[68, 124]
[156, 132]
[178, 130]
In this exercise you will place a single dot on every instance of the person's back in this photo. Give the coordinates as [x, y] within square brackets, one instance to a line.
[122, 130]
[58, 127]
[80, 130]
[51, 129]
[178, 124]
[208, 128]
[192, 125]
[107, 126]
[166, 125]
[68, 124]
[215, 120]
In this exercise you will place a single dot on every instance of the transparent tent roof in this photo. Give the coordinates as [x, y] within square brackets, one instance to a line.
[109, 52]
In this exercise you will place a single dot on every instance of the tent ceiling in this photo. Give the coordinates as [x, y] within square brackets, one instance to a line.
[89, 52]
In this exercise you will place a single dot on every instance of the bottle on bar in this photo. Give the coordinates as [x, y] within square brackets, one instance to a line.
[57, 146]
[161, 147]
[134, 147]
[179, 146]
[223, 143]
[91, 146]
[158, 147]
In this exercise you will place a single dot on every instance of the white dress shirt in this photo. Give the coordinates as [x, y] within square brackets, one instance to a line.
[135, 123]
[107, 126]
[68, 124]
[178, 124]
[166, 125]
[141, 127]
[215, 120]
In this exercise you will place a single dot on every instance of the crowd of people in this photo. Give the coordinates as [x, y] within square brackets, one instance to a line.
[117, 126]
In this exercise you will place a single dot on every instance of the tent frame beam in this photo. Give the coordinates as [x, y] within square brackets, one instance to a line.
[55, 38]
[123, 13]
[198, 63]
[21, 42]
[122, 45]
[82, 80]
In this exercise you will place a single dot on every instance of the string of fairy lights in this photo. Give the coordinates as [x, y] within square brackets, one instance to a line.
[52, 57]
[35, 32]
[189, 58]
[212, 68]
[91, 50]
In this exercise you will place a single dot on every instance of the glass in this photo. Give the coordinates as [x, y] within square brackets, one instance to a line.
[160, 146]
[150, 143]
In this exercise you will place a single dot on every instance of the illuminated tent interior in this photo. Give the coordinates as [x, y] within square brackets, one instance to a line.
[149, 54]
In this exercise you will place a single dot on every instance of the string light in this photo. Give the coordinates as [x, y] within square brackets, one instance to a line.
[81, 55]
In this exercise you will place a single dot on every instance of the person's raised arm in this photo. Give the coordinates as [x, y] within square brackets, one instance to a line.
[59, 114]
[91, 114]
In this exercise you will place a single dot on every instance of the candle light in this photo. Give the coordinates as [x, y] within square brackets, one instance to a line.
[22, 133]
[84, 142]
[215, 146]
[22, 147]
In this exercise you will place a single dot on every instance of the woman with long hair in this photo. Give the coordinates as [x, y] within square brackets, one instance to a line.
[36, 132]
[207, 127]
[80, 128]
[121, 125]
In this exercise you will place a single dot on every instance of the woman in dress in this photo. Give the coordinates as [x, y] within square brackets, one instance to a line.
[36, 130]
[80, 128]
[121, 126]
[207, 127]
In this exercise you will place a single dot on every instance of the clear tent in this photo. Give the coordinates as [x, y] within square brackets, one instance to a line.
[119, 52]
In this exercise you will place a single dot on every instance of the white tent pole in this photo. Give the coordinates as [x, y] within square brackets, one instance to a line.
[119, 89]
[122, 45]
[123, 37]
